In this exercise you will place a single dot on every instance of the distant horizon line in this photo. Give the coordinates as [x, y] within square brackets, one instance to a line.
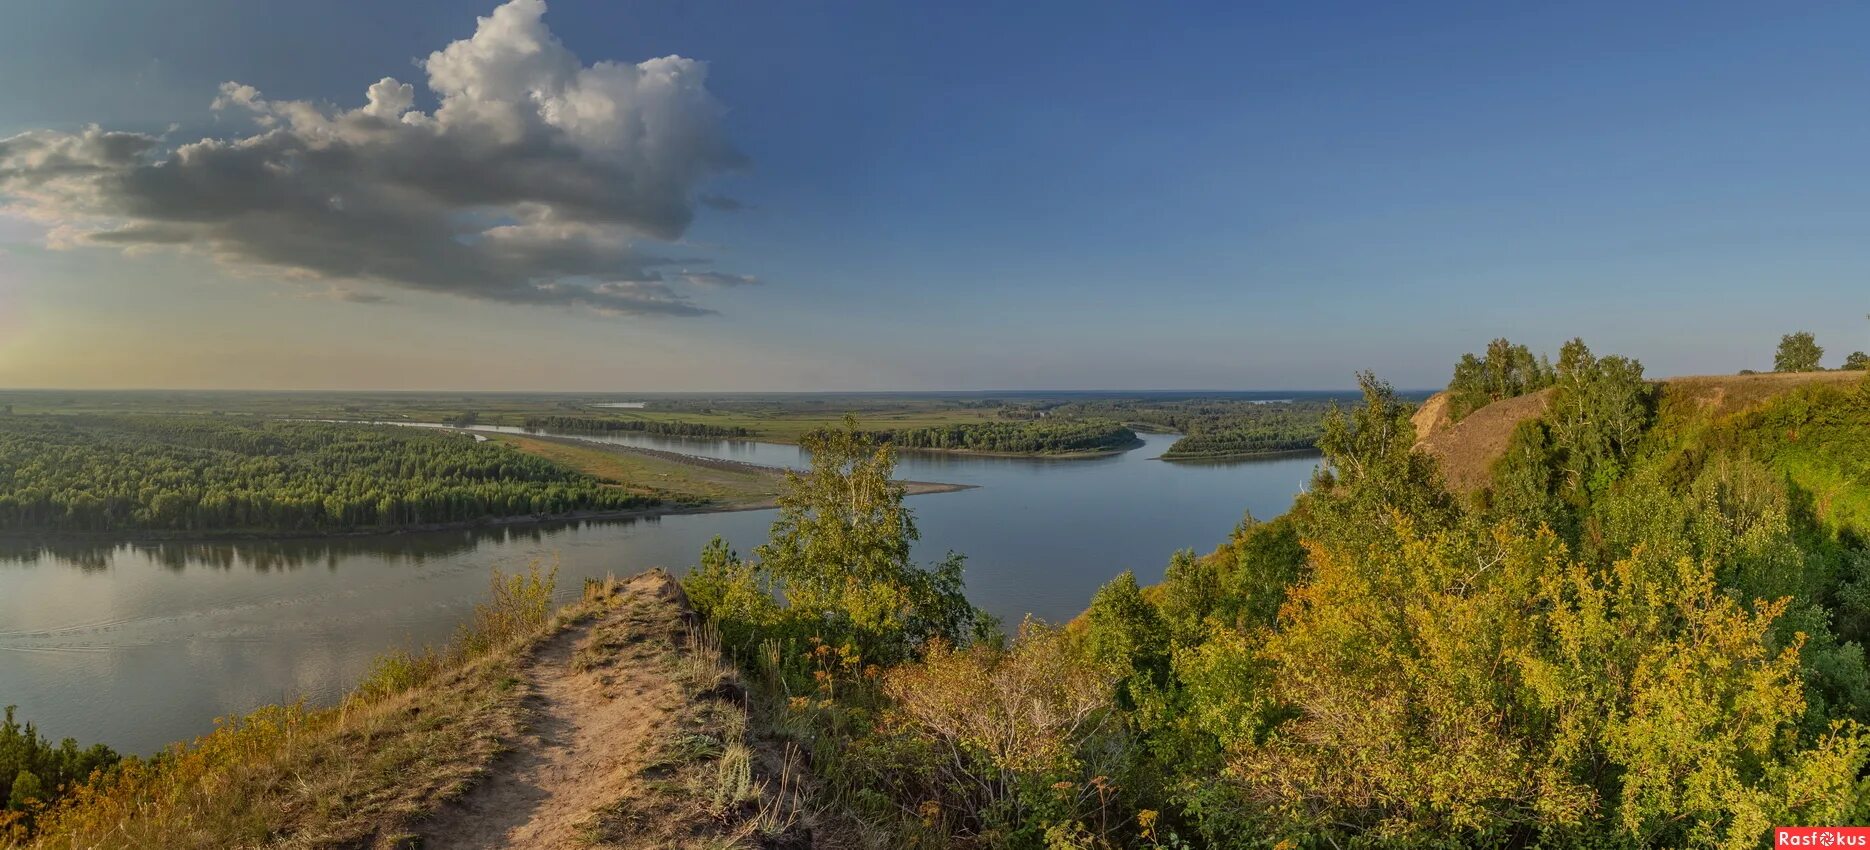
[1196, 390]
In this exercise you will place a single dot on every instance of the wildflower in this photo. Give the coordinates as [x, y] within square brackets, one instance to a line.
[1146, 821]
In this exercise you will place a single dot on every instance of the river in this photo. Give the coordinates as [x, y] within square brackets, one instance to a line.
[139, 644]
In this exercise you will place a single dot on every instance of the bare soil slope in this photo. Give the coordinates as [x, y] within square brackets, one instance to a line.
[1467, 449]
[583, 746]
[631, 710]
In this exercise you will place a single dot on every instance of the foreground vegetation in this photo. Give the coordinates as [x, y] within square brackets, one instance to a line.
[33, 770]
[1645, 632]
[416, 732]
[430, 748]
[1645, 629]
[180, 474]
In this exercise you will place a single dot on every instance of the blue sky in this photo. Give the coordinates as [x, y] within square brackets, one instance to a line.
[1056, 195]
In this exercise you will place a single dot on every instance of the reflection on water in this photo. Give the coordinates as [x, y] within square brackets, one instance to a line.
[141, 643]
[268, 554]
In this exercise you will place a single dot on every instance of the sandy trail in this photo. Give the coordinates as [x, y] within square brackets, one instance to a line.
[589, 737]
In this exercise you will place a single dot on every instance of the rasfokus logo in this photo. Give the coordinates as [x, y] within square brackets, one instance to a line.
[1821, 836]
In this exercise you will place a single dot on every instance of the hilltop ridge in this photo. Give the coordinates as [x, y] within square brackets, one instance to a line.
[1468, 449]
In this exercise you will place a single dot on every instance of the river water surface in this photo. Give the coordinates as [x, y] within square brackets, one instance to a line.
[139, 644]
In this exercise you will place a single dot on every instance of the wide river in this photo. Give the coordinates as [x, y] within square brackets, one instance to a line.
[139, 644]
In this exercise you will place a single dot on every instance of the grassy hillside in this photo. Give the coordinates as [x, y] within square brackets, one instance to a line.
[1815, 433]
[1467, 450]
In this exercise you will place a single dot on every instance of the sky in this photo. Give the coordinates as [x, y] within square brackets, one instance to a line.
[661, 196]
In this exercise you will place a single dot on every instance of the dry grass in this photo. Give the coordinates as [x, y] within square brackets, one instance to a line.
[708, 783]
[1723, 395]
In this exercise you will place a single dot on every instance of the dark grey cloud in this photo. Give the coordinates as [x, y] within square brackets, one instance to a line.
[715, 278]
[531, 183]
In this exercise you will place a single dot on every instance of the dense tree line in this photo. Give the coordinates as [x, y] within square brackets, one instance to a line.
[1036, 437]
[1267, 430]
[1505, 371]
[108, 473]
[1243, 429]
[592, 424]
[1211, 427]
[1647, 632]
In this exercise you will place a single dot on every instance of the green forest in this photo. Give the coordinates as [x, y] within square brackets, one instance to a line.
[1646, 631]
[1242, 441]
[1212, 427]
[1242, 430]
[592, 424]
[202, 473]
[1031, 437]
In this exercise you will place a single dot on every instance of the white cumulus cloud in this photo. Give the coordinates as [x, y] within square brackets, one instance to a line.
[532, 181]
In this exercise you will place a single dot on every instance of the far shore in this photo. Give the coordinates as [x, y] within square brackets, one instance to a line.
[666, 508]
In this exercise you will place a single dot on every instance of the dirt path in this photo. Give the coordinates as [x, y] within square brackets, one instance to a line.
[601, 700]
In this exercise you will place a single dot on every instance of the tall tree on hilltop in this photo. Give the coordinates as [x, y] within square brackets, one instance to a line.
[1798, 352]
